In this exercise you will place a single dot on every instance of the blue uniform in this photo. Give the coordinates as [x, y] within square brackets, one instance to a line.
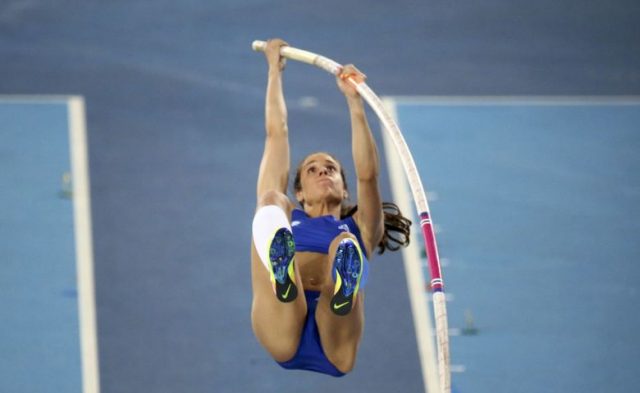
[315, 234]
[310, 355]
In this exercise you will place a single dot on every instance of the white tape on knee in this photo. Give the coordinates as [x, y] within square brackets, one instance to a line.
[266, 222]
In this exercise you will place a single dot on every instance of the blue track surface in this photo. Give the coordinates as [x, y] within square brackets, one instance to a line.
[39, 332]
[537, 206]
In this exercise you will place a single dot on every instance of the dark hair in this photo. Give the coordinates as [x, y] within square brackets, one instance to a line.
[397, 228]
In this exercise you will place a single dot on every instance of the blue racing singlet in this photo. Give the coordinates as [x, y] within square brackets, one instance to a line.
[316, 233]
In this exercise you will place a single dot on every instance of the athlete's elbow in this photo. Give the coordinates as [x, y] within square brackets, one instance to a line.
[367, 171]
[369, 175]
[277, 128]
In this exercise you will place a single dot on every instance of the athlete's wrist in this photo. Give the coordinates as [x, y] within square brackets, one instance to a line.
[355, 103]
[275, 71]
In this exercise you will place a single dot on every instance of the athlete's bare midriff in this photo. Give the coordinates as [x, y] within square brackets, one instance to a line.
[314, 269]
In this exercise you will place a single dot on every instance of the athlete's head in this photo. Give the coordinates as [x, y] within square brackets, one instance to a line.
[320, 178]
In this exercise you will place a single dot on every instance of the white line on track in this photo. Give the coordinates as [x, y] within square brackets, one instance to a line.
[84, 245]
[516, 100]
[413, 269]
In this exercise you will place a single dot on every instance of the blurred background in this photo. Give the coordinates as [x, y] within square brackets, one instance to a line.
[174, 106]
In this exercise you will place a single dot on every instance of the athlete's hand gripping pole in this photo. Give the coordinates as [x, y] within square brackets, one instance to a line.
[419, 196]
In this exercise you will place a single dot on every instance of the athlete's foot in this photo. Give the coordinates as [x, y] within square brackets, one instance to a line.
[282, 273]
[347, 267]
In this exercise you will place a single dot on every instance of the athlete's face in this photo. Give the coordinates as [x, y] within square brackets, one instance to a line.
[320, 180]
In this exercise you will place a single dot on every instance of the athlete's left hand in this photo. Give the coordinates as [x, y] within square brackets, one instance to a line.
[345, 86]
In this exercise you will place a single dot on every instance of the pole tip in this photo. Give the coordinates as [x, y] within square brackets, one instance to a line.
[258, 45]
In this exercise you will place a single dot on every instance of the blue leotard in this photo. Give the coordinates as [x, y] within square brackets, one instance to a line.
[310, 355]
[315, 234]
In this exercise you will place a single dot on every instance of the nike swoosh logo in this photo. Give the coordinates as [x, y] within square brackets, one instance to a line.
[286, 294]
[339, 306]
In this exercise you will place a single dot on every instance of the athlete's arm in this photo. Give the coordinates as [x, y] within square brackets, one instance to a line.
[274, 167]
[369, 216]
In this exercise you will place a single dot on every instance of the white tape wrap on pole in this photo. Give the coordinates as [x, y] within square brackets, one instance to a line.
[417, 190]
[303, 56]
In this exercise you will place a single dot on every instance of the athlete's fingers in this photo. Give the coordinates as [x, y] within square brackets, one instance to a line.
[272, 52]
[350, 71]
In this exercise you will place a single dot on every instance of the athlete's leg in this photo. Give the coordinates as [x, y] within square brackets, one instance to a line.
[277, 320]
[340, 334]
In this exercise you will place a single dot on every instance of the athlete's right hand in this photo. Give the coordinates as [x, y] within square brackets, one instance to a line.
[272, 53]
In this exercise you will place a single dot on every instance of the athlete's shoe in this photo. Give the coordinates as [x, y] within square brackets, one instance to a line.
[281, 253]
[347, 266]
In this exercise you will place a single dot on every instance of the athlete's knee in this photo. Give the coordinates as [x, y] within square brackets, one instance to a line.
[273, 197]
